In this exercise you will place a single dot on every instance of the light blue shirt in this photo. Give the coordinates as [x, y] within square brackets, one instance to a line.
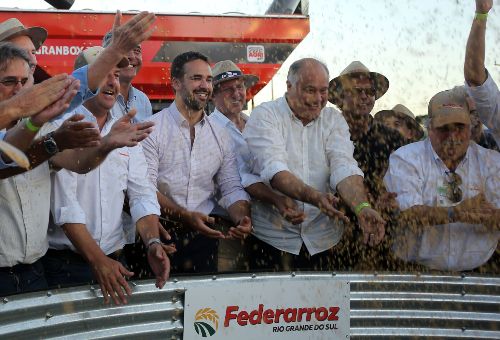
[136, 99]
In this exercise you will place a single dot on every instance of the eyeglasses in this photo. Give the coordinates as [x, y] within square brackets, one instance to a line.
[370, 92]
[13, 81]
[454, 193]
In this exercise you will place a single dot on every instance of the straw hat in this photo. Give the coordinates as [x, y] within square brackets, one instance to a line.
[227, 70]
[89, 55]
[12, 28]
[355, 69]
[402, 111]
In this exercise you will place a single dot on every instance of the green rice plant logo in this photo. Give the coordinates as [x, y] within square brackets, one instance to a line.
[206, 322]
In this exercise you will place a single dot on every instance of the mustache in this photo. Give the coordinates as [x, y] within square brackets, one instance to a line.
[452, 143]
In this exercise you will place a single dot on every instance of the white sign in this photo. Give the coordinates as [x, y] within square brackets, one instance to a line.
[256, 53]
[289, 308]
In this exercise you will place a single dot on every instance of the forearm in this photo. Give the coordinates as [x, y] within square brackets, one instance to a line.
[8, 113]
[421, 216]
[238, 210]
[169, 208]
[104, 63]
[352, 191]
[474, 69]
[290, 185]
[147, 227]
[36, 154]
[20, 136]
[262, 192]
[82, 240]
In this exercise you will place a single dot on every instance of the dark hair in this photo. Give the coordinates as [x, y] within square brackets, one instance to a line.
[9, 52]
[177, 69]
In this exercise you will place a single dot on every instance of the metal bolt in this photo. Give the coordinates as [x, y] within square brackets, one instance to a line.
[375, 273]
[178, 291]
[418, 274]
[293, 274]
[174, 299]
[463, 292]
[462, 275]
[49, 293]
[133, 283]
[254, 276]
[5, 300]
[174, 318]
[48, 315]
[92, 288]
[214, 277]
[334, 274]
[463, 329]
[175, 280]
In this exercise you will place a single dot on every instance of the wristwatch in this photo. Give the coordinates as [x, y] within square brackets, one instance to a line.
[50, 145]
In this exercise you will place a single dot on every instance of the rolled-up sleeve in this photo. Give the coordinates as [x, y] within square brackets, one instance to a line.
[3, 164]
[339, 152]
[266, 143]
[487, 99]
[64, 203]
[150, 147]
[141, 193]
[227, 177]
[84, 93]
[403, 179]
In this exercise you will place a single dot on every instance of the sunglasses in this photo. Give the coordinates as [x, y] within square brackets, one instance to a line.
[13, 81]
[454, 193]
[370, 92]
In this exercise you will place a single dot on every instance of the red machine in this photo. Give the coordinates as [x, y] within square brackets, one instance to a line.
[257, 44]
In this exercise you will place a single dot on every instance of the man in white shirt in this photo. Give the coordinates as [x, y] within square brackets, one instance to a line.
[448, 190]
[190, 158]
[478, 81]
[229, 98]
[86, 209]
[302, 149]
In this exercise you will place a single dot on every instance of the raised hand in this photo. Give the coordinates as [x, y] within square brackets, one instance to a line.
[75, 133]
[59, 106]
[133, 32]
[483, 6]
[373, 226]
[125, 133]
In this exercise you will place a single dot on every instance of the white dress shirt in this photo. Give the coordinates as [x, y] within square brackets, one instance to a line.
[320, 154]
[96, 198]
[246, 161]
[192, 175]
[418, 176]
[487, 99]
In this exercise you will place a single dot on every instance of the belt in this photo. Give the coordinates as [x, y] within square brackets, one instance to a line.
[18, 267]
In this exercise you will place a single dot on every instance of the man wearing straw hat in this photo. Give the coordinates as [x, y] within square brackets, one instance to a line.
[229, 97]
[478, 81]
[448, 188]
[401, 119]
[302, 149]
[354, 92]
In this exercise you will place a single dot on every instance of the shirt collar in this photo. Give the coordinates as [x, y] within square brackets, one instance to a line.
[179, 118]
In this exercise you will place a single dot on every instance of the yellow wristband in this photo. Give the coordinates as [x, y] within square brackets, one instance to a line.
[481, 16]
[361, 206]
[30, 126]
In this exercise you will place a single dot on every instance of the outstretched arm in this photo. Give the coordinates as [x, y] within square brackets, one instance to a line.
[474, 69]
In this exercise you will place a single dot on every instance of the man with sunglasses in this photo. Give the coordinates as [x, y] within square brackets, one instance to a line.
[478, 80]
[448, 189]
[354, 92]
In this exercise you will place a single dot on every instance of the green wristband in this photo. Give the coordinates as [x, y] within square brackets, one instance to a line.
[30, 126]
[481, 16]
[361, 206]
